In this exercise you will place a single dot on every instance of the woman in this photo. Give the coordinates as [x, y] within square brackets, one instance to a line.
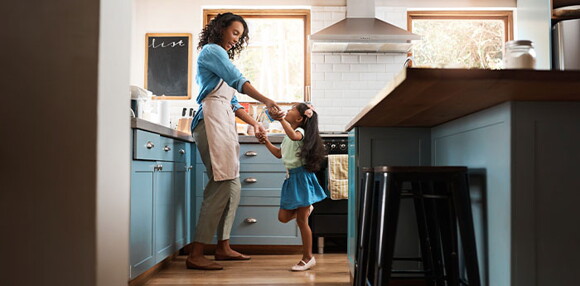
[215, 134]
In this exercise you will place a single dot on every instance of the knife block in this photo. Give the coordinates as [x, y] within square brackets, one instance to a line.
[184, 125]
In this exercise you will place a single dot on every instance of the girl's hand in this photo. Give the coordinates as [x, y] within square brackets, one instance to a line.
[274, 110]
[259, 130]
[263, 139]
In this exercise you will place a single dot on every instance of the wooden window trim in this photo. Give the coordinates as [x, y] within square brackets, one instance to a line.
[505, 16]
[304, 14]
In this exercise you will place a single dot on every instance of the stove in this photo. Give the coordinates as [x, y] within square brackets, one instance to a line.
[329, 219]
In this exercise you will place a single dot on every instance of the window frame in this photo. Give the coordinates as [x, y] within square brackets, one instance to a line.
[303, 14]
[506, 16]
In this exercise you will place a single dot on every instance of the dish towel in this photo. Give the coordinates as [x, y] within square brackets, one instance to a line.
[338, 176]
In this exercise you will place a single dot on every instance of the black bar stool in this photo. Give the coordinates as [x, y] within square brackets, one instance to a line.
[364, 200]
[442, 204]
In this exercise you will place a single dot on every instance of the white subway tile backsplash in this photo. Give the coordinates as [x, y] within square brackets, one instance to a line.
[344, 83]
[368, 76]
[324, 68]
[317, 58]
[368, 59]
[332, 76]
[348, 59]
[317, 76]
[351, 76]
[340, 67]
[383, 59]
[332, 59]
[359, 68]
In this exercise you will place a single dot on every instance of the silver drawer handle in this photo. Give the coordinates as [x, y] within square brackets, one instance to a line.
[158, 167]
[251, 153]
[251, 220]
[150, 145]
[181, 151]
[166, 148]
[250, 180]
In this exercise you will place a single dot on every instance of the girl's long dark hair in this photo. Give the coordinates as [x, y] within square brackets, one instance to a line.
[213, 33]
[312, 152]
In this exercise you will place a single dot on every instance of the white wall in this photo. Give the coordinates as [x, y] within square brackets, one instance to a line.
[534, 23]
[113, 144]
[342, 84]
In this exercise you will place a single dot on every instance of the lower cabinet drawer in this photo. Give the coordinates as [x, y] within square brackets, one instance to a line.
[254, 183]
[147, 145]
[256, 223]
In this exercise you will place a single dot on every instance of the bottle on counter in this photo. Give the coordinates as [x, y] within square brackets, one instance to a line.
[519, 55]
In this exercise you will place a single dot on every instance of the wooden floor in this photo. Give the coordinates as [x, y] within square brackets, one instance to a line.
[331, 269]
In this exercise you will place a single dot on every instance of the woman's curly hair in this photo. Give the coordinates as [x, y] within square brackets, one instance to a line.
[213, 33]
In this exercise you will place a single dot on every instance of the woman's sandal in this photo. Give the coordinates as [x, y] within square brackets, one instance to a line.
[305, 265]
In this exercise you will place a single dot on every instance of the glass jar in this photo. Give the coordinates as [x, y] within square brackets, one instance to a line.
[519, 55]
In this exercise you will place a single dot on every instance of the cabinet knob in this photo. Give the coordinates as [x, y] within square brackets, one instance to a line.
[150, 145]
[158, 167]
[251, 153]
[250, 180]
[189, 167]
[181, 151]
[166, 148]
[251, 220]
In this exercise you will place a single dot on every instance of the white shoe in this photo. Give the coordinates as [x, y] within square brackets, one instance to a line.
[305, 265]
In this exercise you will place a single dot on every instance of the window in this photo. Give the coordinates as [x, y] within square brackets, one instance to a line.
[462, 39]
[275, 60]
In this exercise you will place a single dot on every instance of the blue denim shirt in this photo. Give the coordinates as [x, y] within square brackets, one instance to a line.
[214, 64]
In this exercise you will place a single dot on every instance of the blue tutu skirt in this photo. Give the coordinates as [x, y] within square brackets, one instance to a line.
[300, 189]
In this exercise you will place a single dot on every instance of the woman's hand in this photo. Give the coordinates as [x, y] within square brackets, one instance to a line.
[259, 130]
[275, 111]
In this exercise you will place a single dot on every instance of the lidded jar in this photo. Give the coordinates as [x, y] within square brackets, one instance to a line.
[519, 55]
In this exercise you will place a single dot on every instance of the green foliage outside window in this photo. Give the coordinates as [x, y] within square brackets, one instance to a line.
[274, 58]
[459, 43]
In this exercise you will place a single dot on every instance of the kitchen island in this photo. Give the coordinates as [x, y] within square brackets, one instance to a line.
[517, 131]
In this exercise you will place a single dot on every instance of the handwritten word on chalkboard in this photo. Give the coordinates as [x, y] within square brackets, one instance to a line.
[168, 65]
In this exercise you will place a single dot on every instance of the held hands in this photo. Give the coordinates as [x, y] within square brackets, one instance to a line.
[275, 111]
[260, 132]
[262, 138]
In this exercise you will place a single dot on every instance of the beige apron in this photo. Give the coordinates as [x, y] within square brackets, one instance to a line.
[222, 137]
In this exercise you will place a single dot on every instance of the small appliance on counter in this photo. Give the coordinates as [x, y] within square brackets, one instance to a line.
[566, 44]
[139, 98]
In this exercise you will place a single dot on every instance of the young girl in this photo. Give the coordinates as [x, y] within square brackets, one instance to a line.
[302, 151]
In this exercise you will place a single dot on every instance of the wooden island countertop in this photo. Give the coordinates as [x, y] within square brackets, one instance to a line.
[419, 97]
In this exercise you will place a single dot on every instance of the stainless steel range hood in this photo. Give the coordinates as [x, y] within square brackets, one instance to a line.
[361, 32]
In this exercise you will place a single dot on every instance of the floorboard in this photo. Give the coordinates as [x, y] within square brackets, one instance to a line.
[331, 269]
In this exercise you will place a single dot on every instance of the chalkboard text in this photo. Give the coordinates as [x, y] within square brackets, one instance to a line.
[179, 43]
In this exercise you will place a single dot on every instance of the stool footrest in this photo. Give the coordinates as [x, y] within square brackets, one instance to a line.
[407, 258]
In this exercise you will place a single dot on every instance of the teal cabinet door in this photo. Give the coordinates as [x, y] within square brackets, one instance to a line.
[142, 254]
[181, 173]
[164, 213]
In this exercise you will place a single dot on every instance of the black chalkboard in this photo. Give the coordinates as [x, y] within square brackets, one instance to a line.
[168, 65]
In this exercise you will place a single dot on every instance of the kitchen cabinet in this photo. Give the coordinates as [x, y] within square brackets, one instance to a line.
[161, 199]
[517, 131]
[256, 222]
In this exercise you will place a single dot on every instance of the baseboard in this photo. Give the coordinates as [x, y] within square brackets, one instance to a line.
[144, 277]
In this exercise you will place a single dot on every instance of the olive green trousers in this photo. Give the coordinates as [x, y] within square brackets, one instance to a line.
[220, 199]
